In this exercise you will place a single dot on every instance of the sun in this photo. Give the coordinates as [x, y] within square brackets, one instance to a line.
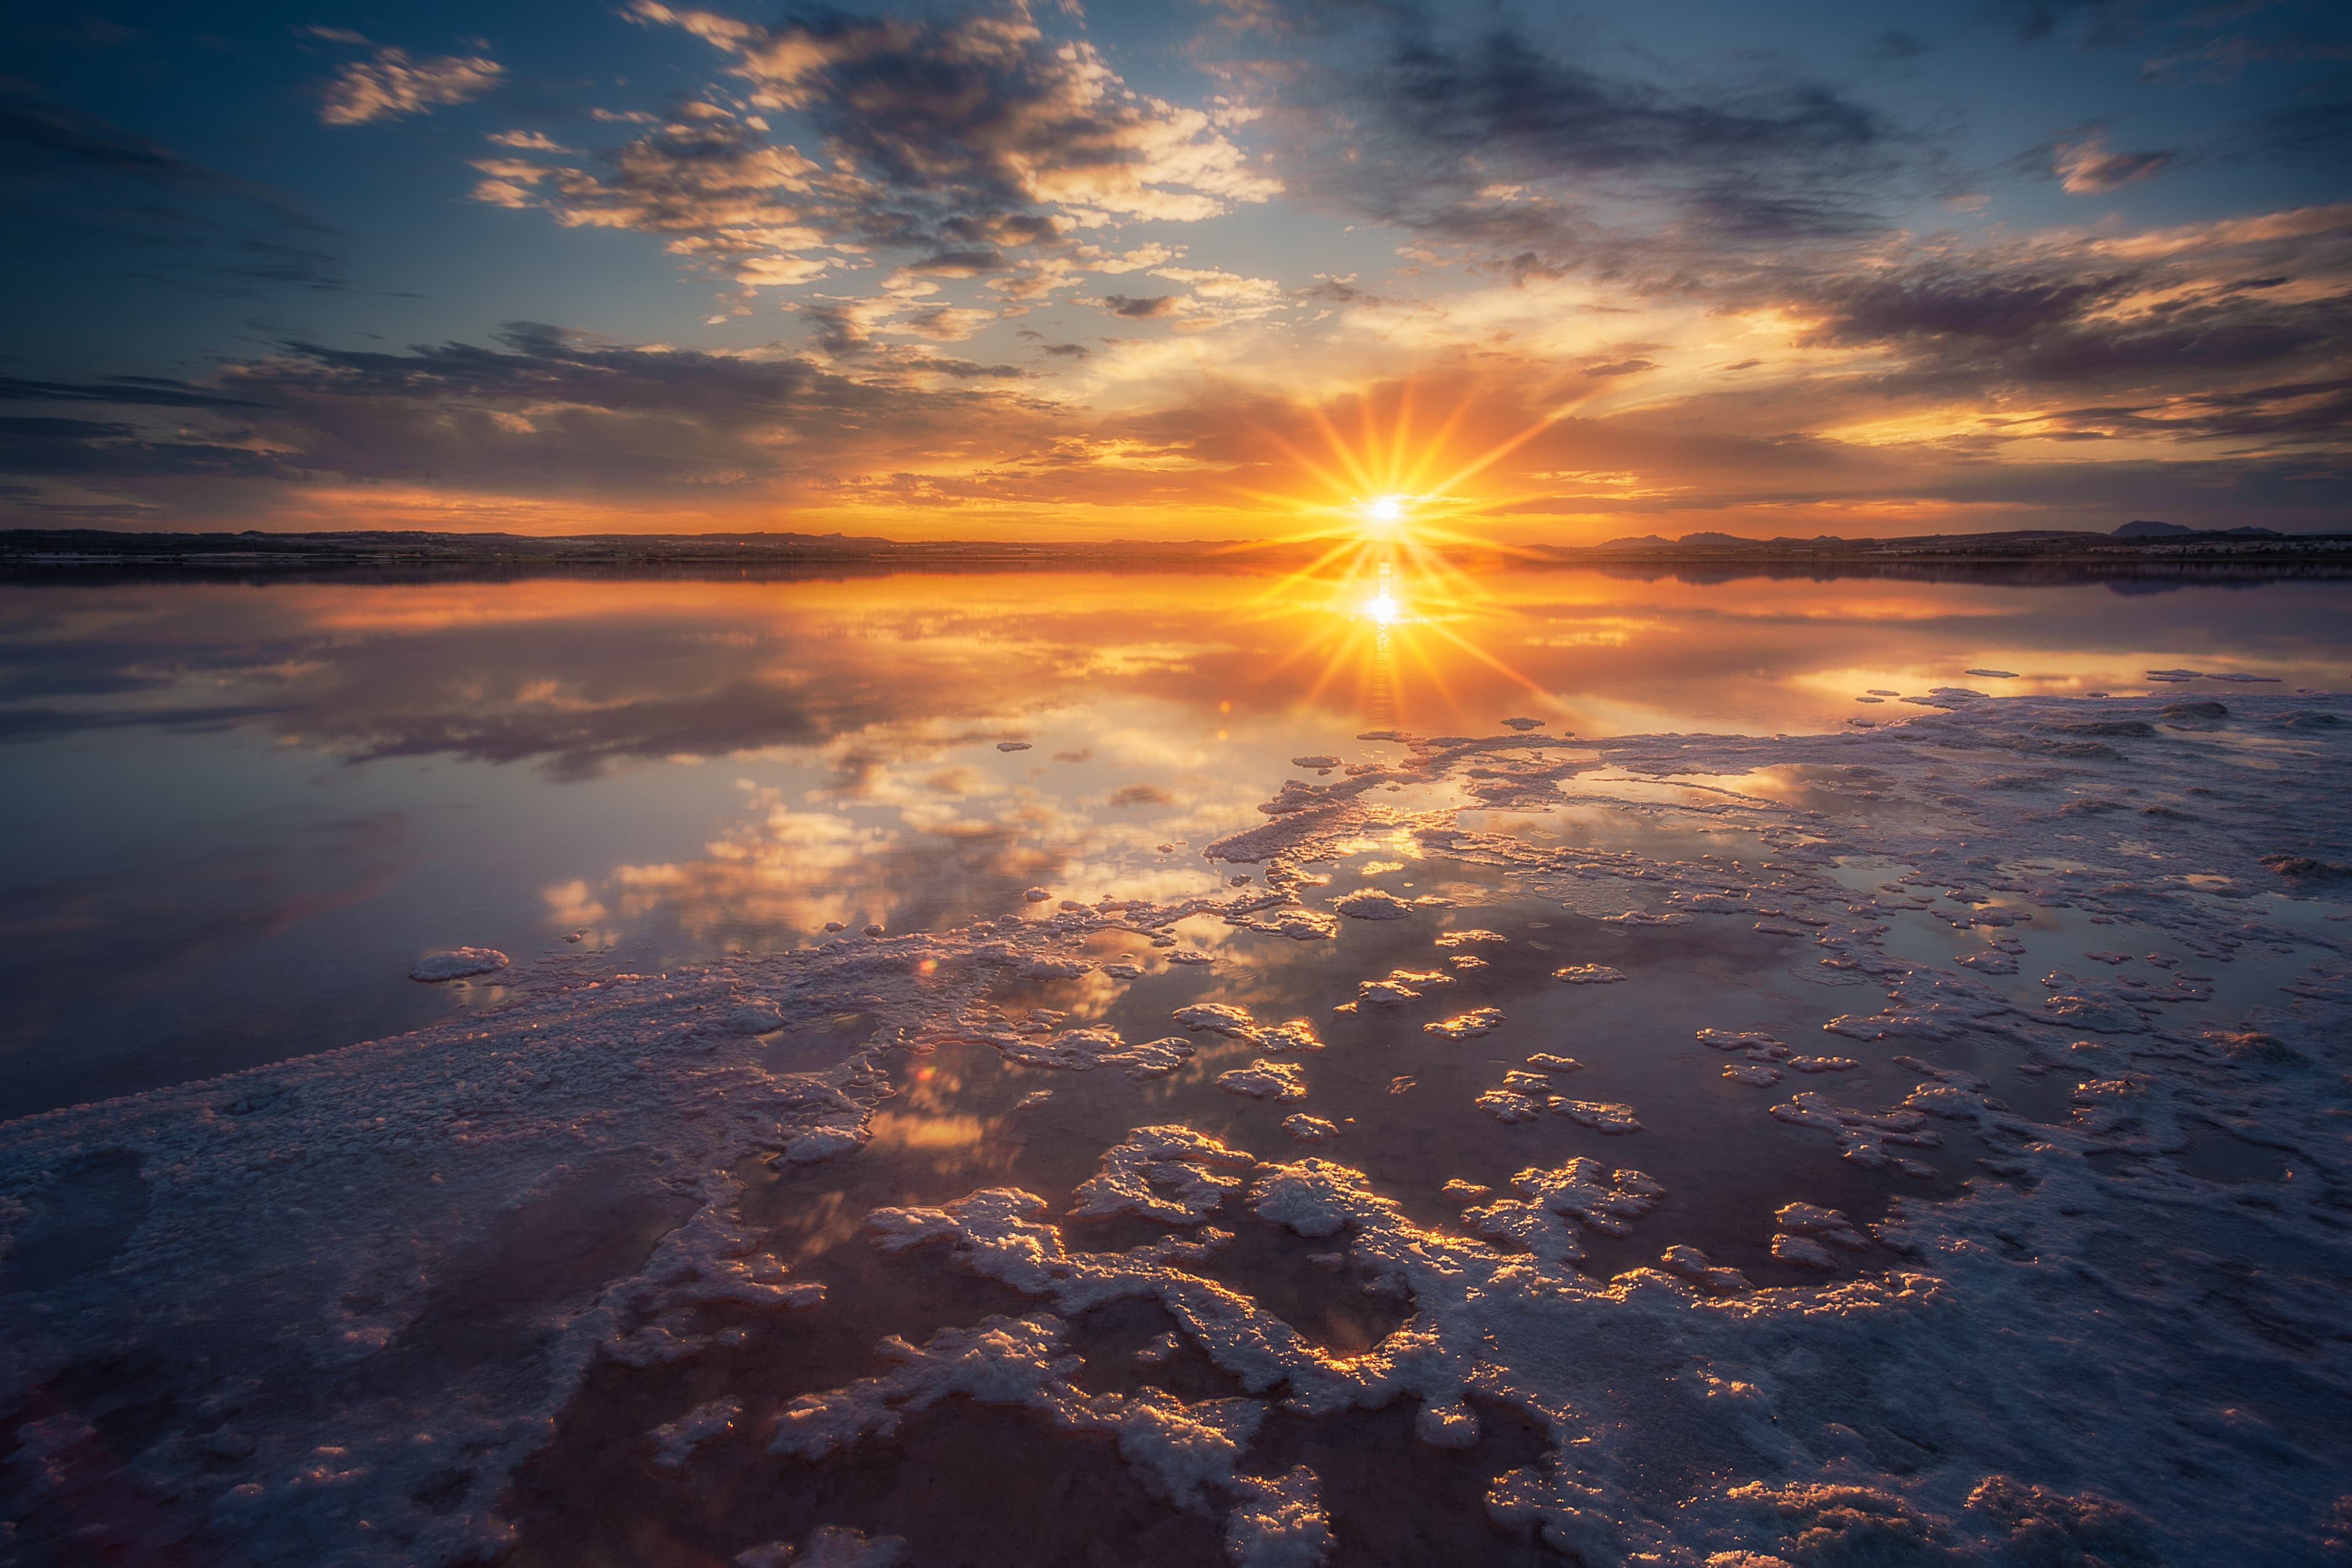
[1385, 508]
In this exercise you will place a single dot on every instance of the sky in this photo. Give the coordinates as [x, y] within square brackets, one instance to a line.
[1185, 270]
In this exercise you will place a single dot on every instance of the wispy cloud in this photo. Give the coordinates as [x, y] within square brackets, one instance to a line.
[2087, 168]
[390, 84]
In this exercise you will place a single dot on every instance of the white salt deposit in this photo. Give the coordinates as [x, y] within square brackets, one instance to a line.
[1467, 1026]
[458, 962]
[1372, 904]
[1509, 1108]
[1173, 1174]
[1263, 1079]
[1308, 1129]
[476, 1224]
[1601, 1116]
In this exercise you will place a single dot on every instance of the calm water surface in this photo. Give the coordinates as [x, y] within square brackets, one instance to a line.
[238, 811]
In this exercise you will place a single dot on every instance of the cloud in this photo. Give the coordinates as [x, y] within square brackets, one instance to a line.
[543, 413]
[1956, 298]
[982, 116]
[141, 390]
[89, 193]
[116, 450]
[978, 142]
[391, 84]
[2086, 168]
[1147, 308]
[528, 142]
[1479, 134]
[40, 129]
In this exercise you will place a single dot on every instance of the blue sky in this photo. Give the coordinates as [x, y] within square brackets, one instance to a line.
[1145, 270]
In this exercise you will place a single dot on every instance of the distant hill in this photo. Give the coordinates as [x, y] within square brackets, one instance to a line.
[2174, 530]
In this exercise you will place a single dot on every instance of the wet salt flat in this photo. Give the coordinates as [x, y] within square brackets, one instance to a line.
[1721, 1134]
[240, 812]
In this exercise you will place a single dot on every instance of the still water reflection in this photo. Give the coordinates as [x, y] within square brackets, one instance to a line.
[237, 811]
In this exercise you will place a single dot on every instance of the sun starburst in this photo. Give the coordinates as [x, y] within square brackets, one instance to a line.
[1386, 510]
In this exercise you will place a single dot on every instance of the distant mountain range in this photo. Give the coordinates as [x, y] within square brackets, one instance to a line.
[2004, 542]
[2139, 540]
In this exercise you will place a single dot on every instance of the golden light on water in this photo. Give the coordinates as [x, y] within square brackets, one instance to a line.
[1399, 604]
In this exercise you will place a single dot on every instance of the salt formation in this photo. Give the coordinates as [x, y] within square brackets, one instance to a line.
[1588, 974]
[2125, 1185]
[1236, 1023]
[458, 962]
[1402, 985]
[1372, 904]
[1263, 1079]
[1168, 1173]
[1467, 1026]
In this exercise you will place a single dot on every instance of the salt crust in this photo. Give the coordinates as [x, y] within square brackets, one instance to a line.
[319, 1215]
[828, 1546]
[1236, 1023]
[1168, 1173]
[1371, 904]
[458, 964]
[1263, 1079]
[1467, 1026]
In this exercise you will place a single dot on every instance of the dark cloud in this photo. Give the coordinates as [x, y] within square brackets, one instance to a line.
[1504, 99]
[1334, 290]
[964, 135]
[1954, 300]
[542, 410]
[143, 390]
[1488, 137]
[959, 263]
[95, 194]
[1068, 350]
[108, 449]
[39, 131]
[962, 368]
[2306, 411]
[1147, 308]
